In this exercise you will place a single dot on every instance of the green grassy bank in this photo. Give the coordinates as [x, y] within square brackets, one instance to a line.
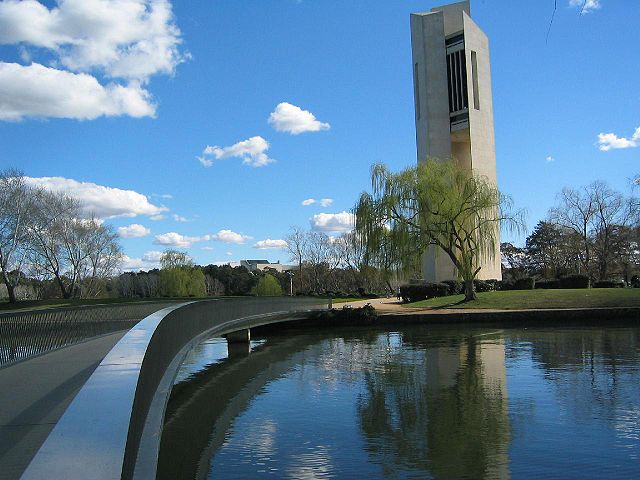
[540, 299]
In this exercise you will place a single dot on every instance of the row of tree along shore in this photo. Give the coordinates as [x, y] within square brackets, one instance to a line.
[49, 249]
[593, 231]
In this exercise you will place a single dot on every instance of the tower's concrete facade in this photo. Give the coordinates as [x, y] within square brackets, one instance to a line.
[453, 107]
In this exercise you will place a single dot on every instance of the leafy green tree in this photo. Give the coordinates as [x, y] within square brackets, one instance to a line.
[178, 277]
[434, 203]
[268, 286]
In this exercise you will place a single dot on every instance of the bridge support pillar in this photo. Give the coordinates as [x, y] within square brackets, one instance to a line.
[238, 343]
[241, 336]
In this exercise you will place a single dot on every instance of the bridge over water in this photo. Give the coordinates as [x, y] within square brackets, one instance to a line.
[95, 409]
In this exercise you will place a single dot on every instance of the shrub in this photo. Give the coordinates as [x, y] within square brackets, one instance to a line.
[455, 287]
[268, 286]
[574, 281]
[416, 292]
[505, 285]
[485, 285]
[608, 284]
[527, 283]
[548, 283]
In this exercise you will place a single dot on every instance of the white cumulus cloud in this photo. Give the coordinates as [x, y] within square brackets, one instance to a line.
[252, 152]
[174, 239]
[98, 200]
[149, 260]
[179, 218]
[123, 41]
[135, 230]
[292, 119]
[333, 222]
[550, 159]
[130, 39]
[229, 236]
[586, 6]
[39, 91]
[308, 201]
[268, 244]
[608, 141]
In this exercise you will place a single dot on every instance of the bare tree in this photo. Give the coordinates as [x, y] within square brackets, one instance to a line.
[52, 216]
[596, 213]
[576, 212]
[103, 255]
[15, 211]
[297, 245]
[613, 213]
[322, 257]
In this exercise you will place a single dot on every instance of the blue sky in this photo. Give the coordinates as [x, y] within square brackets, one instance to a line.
[130, 99]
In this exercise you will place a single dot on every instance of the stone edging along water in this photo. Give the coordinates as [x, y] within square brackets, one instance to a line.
[112, 428]
[560, 316]
[573, 317]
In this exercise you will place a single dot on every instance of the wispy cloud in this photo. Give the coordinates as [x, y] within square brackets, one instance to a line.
[165, 196]
[323, 202]
[585, 6]
[550, 159]
[609, 141]
[292, 119]
[252, 152]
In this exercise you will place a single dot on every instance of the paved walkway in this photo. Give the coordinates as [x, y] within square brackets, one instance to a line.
[392, 305]
[35, 393]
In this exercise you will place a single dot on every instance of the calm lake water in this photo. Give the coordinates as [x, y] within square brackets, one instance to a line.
[419, 402]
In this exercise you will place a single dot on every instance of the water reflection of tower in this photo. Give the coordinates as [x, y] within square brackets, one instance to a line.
[468, 406]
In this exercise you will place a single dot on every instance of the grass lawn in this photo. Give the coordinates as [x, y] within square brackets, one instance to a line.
[540, 299]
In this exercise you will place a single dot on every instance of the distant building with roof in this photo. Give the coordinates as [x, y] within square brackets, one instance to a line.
[255, 265]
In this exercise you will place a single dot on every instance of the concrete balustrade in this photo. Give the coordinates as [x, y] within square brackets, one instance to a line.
[112, 428]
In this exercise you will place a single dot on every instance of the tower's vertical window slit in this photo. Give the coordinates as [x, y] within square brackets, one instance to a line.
[474, 76]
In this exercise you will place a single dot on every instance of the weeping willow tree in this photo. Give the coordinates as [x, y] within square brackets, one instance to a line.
[434, 203]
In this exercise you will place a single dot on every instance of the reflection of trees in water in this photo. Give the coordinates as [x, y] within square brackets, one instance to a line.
[594, 371]
[414, 417]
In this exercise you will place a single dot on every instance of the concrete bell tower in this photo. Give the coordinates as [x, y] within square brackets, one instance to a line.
[453, 107]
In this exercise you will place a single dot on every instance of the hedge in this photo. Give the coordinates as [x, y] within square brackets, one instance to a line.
[608, 284]
[574, 281]
[416, 292]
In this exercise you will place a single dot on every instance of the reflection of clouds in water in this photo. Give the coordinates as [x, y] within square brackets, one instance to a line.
[260, 439]
[311, 465]
[209, 352]
[627, 427]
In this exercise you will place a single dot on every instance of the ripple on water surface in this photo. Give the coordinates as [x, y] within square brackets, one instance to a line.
[418, 403]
